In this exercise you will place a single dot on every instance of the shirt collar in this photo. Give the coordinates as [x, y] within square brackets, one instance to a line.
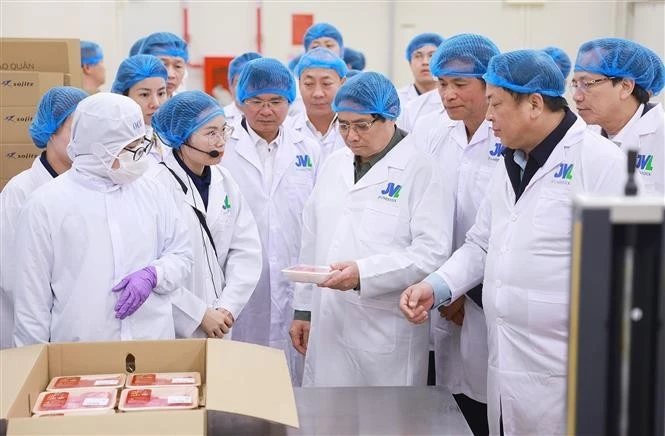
[47, 165]
[396, 138]
[203, 179]
[618, 138]
[256, 139]
[543, 150]
[318, 134]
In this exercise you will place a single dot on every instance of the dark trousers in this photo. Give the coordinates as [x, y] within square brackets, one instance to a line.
[431, 373]
[475, 414]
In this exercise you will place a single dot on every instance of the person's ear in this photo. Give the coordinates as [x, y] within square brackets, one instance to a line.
[536, 104]
[627, 87]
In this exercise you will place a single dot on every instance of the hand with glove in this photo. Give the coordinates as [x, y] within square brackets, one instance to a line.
[134, 290]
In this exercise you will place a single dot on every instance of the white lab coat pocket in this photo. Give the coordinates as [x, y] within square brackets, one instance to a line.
[369, 326]
[548, 329]
[553, 213]
[379, 224]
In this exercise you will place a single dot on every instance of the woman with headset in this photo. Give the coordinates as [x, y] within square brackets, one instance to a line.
[224, 236]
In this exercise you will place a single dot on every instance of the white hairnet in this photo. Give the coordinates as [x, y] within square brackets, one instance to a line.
[103, 125]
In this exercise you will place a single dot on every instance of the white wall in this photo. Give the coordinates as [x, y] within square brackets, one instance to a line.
[380, 29]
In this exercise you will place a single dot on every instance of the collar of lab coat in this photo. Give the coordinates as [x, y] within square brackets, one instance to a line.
[397, 158]
[192, 197]
[459, 133]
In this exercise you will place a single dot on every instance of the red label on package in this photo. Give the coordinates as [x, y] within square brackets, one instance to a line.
[54, 401]
[138, 397]
[144, 379]
[67, 382]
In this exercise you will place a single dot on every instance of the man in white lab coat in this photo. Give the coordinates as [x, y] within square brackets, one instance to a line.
[418, 54]
[377, 216]
[320, 73]
[50, 130]
[232, 111]
[225, 239]
[275, 168]
[99, 249]
[613, 81]
[520, 244]
[466, 152]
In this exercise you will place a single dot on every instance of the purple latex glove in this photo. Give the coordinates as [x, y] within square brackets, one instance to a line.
[135, 288]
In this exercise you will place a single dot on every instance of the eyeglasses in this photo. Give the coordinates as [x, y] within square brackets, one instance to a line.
[584, 85]
[358, 127]
[217, 136]
[257, 103]
[142, 149]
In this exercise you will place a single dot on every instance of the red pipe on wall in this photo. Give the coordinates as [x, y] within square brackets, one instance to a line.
[185, 33]
[259, 35]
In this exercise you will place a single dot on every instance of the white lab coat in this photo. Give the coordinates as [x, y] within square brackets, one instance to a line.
[232, 113]
[647, 135]
[228, 279]
[523, 250]
[461, 352]
[77, 238]
[267, 317]
[12, 198]
[397, 240]
[329, 143]
[417, 108]
[407, 94]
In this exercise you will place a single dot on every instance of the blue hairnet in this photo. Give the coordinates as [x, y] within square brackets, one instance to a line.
[238, 62]
[53, 109]
[352, 73]
[321, 58]
[368, 93]
[464, 55]
[293, 63]
[183, 114]
[165, 44]
[136, 68]
[422, 40]
[265, 76]
[136, 47]
[616, 57]
[354, 59]
[91, 53]
[526, 72]
[658, 73]
[323, 30]
[560, 58]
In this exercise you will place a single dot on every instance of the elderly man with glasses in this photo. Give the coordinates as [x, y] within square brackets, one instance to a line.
[378, 217]
[613, 82]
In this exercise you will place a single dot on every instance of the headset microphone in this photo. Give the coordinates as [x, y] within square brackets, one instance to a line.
[213, 153]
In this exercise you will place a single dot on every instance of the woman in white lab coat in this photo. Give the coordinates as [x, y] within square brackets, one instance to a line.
[520, 244]
[99, 250]
[143, 79]
[276, 169]
[224, 236]
[50, 130]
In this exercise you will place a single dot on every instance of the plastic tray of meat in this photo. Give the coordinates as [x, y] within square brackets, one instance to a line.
[308, 273]
[67, 383]
[75, 400]
[163, 379]
[160, 398]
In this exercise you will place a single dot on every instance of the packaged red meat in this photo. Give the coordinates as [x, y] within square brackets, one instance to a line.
[76, 413]
[75, 400]
[159, 398]
[86, 381]
[164, 379]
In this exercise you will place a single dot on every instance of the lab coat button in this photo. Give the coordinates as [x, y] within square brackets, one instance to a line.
[498, 283]
[513, 217]
[499, 321]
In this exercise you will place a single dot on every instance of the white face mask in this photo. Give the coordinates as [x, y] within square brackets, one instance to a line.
[129, 169]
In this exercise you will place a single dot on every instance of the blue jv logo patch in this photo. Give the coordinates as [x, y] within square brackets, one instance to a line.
[392, 190]
[303, 161]
[497, 150]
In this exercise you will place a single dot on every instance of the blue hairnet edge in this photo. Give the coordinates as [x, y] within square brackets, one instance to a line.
[522, 89]
[289, 96]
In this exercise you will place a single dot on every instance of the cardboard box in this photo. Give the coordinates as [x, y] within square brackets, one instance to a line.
[40, 54]
[237, 377]
[16, 158]
[14, 124]
[24, 88]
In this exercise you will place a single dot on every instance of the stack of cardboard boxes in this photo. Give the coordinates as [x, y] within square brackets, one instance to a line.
[29, 68]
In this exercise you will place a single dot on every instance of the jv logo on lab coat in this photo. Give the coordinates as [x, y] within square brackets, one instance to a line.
[303, 161]
[496, 151]
[644, 163]
[391, 192]
[226, 205]
[564, 173]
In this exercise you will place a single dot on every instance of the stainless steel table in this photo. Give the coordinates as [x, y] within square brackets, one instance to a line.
[359, 411]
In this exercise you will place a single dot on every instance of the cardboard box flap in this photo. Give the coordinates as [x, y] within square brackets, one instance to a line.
[250, 380]
[16, 366]
[42, 54]
[179, 422]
